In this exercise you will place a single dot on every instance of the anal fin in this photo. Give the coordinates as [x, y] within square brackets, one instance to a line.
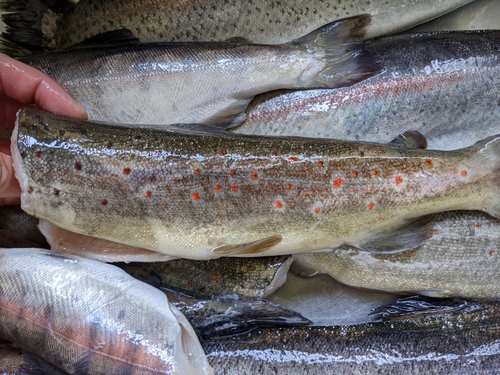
[248, 248]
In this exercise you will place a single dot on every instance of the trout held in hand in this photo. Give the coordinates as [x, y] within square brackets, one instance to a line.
[198, 192]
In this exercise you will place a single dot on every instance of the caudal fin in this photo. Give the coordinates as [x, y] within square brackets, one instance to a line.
[340, 42]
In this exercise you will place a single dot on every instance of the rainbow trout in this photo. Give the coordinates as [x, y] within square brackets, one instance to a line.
[198, 192]
[88, 317]
[201, 82]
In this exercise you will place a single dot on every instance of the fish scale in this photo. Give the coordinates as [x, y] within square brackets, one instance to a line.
[198, 194]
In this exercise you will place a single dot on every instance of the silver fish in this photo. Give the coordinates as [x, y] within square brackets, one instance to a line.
[445, 85]
[33, 24]
[201, 195]
[209, 83]
[87, 317]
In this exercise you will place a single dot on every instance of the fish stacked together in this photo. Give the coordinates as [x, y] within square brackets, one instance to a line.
[184, 186]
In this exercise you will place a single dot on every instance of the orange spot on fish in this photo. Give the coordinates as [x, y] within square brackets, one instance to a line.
[306, 193]
[78, 166]
[218, 188]
[491, 252]
[293, 159]
[190, 282]
[376, 173]
[320, 164]
[317, 210]
[437, 232]
[399, 180]
[56, 192]
[223, 152]
[39, 154]
[355, 174]
[477, 225]
[195, 196]
[289, 187]
[126, 171]
[197, 171]
[274, 153]
[463, 173]
[278, 205]
[371, 206]
[254, 175]
[104, 202]
[235, 188]
[428, 163]
[233, 172]
[339, 181]
[148, 194]
[216, 278]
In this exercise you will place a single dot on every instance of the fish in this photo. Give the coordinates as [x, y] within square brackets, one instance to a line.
[37, 26]
[14, 361]
[199, 194]
[17, 222]
[204, 82]
[446, 85]
[216, 278]
[461, 259]
[462, 340]
[88, 317]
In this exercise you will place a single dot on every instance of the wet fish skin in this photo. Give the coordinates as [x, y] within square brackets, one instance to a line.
[461, 342]
[53, 305]
[71, 177]
[202, 82]
[445, 85]
[461, 259]
[213, 20]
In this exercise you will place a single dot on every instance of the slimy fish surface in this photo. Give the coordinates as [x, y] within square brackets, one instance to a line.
[199, 194]
[445, 85]
[33, 25]
[202, 82]
[462, 258]
[87, 317]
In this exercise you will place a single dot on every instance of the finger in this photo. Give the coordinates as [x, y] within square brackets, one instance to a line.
[28, 85]
[9, 186]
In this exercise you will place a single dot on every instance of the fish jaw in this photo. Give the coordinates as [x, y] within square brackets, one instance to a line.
[219, 190]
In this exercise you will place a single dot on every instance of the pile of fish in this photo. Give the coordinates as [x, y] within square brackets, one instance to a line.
[210, 157]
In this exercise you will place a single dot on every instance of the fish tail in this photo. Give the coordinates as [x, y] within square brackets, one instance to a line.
[341, 48]
[23, 24]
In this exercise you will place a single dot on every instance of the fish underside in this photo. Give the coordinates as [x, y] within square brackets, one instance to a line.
[445, 85]
[200, 194]
[203, 82]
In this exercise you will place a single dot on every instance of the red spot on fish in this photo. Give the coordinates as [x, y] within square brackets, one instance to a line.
[289, 187]
[376, 173]
[233, 172]
[216, 278]
[463, 173]
[109, 144]
[339, 181]
[306, 193]
[104, 202]
[317, 210]
[293, 159]
[320, 164]
[148, 194]
[39, 154]
[254, 175]
[195, 196]
[176, 180]
[361, 153]
[477, 225]
[428, 163]
[223, 152]
[371, 206]
[56, 192]
[278, 205]
[437, 232]
[126, 171]
[399, 180]
[197, 171]
[78, 166]
[190, 282]
[274, 153]
[491, 252]
[235, 188]
[218, 188]
[355, 174]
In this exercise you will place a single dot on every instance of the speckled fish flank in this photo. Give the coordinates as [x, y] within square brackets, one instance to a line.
[198, 194]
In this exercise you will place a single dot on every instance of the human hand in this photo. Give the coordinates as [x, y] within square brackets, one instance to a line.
[24, 86]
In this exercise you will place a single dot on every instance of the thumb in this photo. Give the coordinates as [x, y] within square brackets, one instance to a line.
[9, 186]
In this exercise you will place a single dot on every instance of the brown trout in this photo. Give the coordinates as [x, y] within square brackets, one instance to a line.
[201, 82]
[196, 193]
[445, 85]
[88, 317]
[30, 23]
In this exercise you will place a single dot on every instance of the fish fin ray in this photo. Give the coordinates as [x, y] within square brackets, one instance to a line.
[303, 270]
[108, 39]
[230, 116]
[248, 248]
[411, 139]
[406, 237]
[237, 40]
[346, 60]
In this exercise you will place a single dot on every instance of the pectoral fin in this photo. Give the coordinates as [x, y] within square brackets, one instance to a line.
[230, 116]
[411, 139]
[249, 248]
[107, 39]
[404, 238]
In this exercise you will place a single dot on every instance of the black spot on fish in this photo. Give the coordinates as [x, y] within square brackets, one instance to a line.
[121, 314]
[109, 144]
[23, 154]
[62, 132]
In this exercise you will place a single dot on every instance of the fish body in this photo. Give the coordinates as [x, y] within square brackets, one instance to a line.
[445, 85]
[153, 20]
[201, 82]
[456, 342]
[200, 195]
[87, 317]
[460, 259]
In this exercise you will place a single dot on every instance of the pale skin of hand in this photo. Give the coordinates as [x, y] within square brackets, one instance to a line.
[23, 86]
